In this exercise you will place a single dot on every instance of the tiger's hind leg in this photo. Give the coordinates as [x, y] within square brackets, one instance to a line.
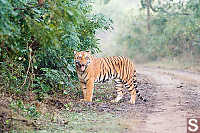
[131, 89]
[119, 89]
[133, 96]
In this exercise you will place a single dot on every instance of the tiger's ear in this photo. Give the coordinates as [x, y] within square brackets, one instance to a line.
[75, 52]
[88, 51]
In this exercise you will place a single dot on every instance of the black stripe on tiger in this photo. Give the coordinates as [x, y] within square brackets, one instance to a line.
[134, 86]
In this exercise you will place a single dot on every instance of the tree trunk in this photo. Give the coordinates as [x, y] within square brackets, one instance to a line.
[148, 15]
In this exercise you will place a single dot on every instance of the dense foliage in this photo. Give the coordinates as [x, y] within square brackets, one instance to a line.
[174, 30]
[37, 40]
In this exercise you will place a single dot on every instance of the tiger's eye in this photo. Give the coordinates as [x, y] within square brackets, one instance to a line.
[87, 58]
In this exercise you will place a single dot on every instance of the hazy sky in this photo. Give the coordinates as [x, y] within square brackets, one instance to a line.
[115, 9]
[116, 6]
[125, 4]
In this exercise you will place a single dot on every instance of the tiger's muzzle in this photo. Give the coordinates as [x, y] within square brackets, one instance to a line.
[80, 66]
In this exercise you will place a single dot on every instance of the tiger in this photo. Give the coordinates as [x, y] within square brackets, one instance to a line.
[92, 70]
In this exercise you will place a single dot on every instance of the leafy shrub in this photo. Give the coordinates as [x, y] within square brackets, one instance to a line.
[26, 109]
[37, 41]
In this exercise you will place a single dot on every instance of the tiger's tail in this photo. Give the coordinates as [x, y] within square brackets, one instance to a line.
[135, 87]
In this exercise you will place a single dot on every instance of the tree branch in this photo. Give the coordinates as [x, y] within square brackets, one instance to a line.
[29, 65]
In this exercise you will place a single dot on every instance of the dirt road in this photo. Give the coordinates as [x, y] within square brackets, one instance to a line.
[175, 98]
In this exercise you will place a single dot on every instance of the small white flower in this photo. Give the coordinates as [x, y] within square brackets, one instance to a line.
[62, 83]
[20, 58]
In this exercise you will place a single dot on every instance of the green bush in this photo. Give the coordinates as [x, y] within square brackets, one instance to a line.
[37, 41]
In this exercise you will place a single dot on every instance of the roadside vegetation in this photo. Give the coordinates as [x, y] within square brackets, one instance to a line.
[164, 30]
[37, 43]
[37, 40]
[156, 31]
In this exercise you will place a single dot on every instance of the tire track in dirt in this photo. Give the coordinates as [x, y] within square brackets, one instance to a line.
[177, 99]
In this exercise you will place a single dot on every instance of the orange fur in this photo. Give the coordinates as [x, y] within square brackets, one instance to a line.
[119, 68]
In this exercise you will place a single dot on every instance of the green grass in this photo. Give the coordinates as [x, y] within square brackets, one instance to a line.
[73, 122]
[84, 122]
[75, 118]
[176, 63]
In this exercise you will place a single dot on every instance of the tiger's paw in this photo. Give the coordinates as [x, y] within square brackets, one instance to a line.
[85, 100]
[114, 101]
[131, 102]
[82, 100]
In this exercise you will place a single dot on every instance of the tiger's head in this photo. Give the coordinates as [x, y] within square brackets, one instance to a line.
[82, 59]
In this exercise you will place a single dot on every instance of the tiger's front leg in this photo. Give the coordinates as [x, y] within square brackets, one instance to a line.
[89, 90]
[83, 88]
